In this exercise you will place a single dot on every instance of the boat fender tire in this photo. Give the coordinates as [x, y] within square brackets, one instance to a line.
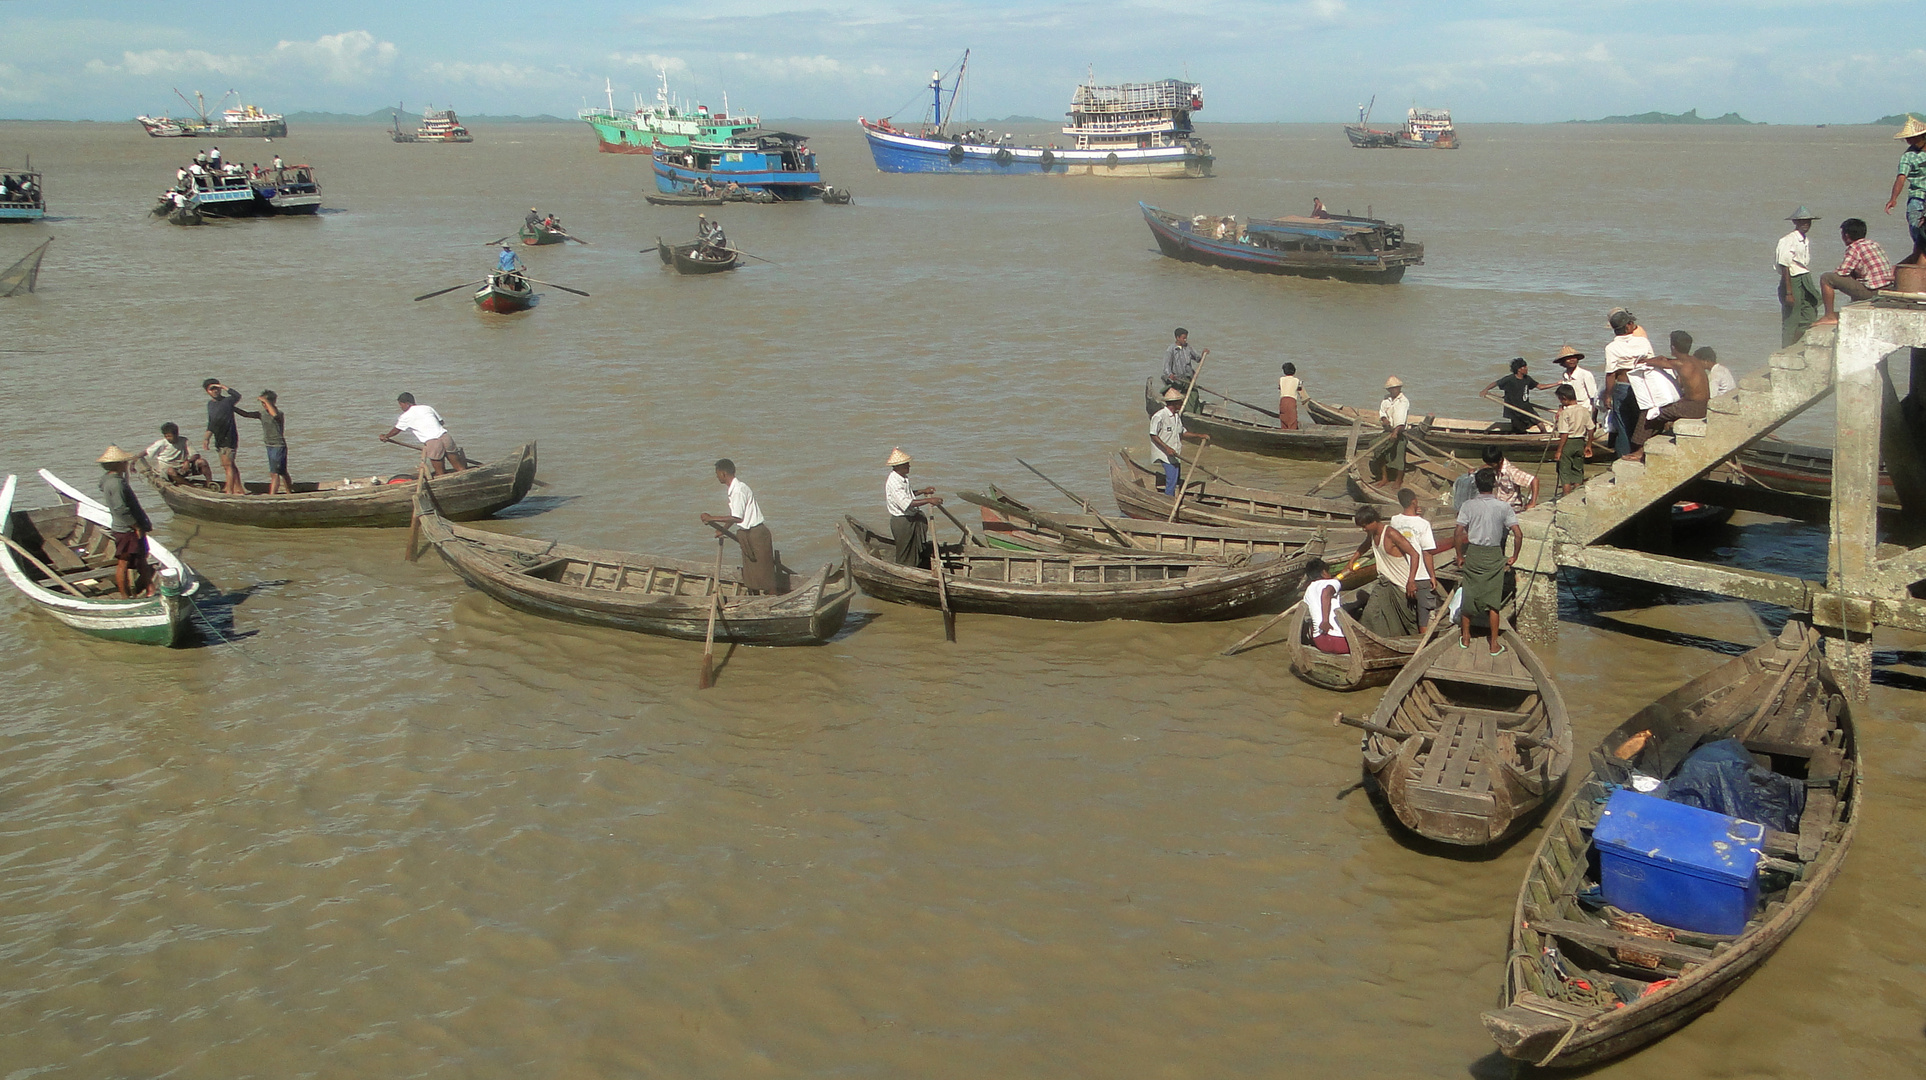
[1111, 159]
[1004, 157]
[956, 153]
[1047, 160]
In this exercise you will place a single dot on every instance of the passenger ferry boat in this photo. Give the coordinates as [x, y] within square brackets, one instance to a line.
[242, 121]
[1135, 129]
[776, 162]
[21, 196]
[283, 192]
[663, 123]
[1331, 246]
[436, 127]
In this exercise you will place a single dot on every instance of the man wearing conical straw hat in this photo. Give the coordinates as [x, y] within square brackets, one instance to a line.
[130, 525]
[1910, 185]
[909, 526]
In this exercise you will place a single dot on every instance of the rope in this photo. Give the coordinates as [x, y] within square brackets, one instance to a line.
[207, 624]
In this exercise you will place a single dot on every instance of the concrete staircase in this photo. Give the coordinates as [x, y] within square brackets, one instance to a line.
[1793, 380]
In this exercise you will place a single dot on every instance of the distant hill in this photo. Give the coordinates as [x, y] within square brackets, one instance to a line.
[385, 117]
[1898, 119]
[1690, 116]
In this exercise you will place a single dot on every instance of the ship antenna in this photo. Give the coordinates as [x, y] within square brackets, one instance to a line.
[609, 89]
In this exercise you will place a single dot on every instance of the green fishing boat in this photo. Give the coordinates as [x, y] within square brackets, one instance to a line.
[664, 122]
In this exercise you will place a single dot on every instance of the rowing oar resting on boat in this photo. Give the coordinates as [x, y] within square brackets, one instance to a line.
[758, 544]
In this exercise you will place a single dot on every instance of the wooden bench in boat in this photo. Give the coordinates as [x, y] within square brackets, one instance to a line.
[1607, 938]
[1455, 778]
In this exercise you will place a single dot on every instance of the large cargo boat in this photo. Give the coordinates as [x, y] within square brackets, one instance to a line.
[242, 121]
[1333, 246]
[1424, 129]
[664, 123]
[1135, 129]
[436, 127]
[776, 162]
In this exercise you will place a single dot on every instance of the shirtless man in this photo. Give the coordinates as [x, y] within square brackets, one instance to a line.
[1695, 389]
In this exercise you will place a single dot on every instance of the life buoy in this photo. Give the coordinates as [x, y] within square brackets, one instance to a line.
[1047, 160]
[1004, 157]
[956, 153]
[1111, 159]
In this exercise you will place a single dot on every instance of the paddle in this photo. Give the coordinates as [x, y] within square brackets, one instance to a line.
[968, 536]
[499, 240]
[552, 285]
[1122, 537]
[40, 566]
[723, 532]
[1348, 462]
[708, 676]
[1234, 401]
[758, 258]
[1294, 609]
[451, 288]
[942, 589]
[577, 239]
[1509, 407]
[414, 518]
[1183, 483]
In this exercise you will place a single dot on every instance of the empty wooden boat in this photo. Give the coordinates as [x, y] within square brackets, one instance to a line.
[1016, 525]
[1213, 502]
[1075, 587]
[1465, 744]
[356, 502]
[1230, 431]
[1782, 701]
[647, 594]
[1372, 661]
[64, 567]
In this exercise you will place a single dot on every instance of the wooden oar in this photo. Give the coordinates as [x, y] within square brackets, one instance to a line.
[1183, 483]
[552, 285]
[1744, 730]
[1294, 609]
[42, 567]
[1509, 407]
[968, 536]
[500, 240]
[414, 516]
[1195, 373]
[758, 258]
[1122, 537]
[577, 239]
[1234, 401]
[942, 589]
[708, 676]
[1348, 462]
[451, 288]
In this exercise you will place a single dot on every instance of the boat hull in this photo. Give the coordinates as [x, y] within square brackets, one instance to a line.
[162, 619]
[16, 212]
[1368, 268]
[541, 237]
[789, 186]
[476, 492]
[898, 153]
[1372, 661]
[500, 298]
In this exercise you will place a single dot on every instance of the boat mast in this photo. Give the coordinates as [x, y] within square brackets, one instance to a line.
[609, 89]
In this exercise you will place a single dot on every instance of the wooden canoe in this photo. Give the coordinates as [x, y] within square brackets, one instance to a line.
[1213, 502]
[1372, 661]
[1783, 701]
[536, 235]
[683, 200]
[1013, 524]
[1779, 465]
[359, 502]
[71, 540]
[643, 593]
[686, 260]
[1075, 587]
[1471, 436]
[1459, 772]
[505, 294]
[1230, 431]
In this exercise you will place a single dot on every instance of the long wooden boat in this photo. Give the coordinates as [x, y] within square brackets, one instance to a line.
[1801, 469]
[505, 294]
[1783, 701]
[627, 591]
[1015, 525]
[683, 200]
[1343, 248]
[688, 259]
[1372, 661]
[1233, 432]
[1213, 502]
[71, 541]
[1074, 587]
[1449, 434]
[1482, 740]
[540, 235]
[364, 502]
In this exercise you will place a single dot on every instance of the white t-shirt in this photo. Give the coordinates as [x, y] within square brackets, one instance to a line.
[1314, 599]
[422, 422]
[1290, 386]
[1625, 350]
[1795, 253]
[1169, 427]
[1418, 531]
[166, 454]
[1395, 410]
[1653, 388]
[897, 494]
[1583, 383]
[742, 504]
[1722, 380]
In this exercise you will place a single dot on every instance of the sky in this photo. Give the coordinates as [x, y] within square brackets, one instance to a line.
[1849, 61]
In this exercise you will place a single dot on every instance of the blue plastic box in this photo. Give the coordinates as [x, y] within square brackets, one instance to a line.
[1677, 864]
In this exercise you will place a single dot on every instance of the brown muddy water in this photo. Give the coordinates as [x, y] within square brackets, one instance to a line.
[390, 828]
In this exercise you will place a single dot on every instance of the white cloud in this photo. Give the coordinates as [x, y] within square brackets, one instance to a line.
[348, 58]
[675, 65]
[802, 67]
[353, 57]
[172, 62]
[500, 76]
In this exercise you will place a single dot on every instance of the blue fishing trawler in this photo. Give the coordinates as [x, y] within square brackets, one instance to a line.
[774, 162]
[1135, 130]
[21, 197]
[1328, 246]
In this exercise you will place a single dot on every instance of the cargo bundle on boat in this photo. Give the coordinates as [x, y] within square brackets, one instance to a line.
[1133, 129]
[1336, 246]
[436, 127]
[21, 196]
[776, 162]
[664, 123]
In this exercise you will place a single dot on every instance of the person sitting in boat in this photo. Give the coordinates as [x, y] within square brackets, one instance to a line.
[534, 219]
[174, 456]
[1317, 208]
[129, 528]
[1181, 360]
[909, 525]
[1522, 414]
[1321, 598]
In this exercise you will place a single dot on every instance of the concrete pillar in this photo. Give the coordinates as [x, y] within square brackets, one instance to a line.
[1857, 396]
[1537, 606]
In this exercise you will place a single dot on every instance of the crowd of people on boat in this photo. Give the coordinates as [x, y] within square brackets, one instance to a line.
[711, 243]
[21, 188]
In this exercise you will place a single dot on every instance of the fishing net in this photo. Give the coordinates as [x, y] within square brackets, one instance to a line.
[21, 276]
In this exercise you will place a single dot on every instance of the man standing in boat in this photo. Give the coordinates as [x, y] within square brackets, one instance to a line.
[757, 542]
[222, 404]
[1180, 362]
[438, 447]
[132, 575]
[909, 526]
[508, 262]
[1387, 465]
[1290, 391]
[1482, 525]
[1167, 437]
[1391, 609]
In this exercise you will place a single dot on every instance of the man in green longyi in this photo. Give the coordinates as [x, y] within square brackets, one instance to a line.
[1482, 524]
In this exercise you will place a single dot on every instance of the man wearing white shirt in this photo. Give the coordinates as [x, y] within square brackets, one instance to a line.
[1584, 385]
[1387, 465]
[1799, 298]
[909, 526]
[438, 447]
[1626, 349]
[1723, 381]
[757, 542]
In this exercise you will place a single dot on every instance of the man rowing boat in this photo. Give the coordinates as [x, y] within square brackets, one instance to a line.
[438, 449]
[909, 525]
[757, 542]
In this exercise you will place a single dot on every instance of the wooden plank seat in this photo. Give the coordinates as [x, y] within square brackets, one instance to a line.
[1484, 678]
[1454, 778]
[1604, 937]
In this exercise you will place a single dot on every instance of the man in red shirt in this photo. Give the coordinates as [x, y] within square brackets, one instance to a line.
[1863, 272]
